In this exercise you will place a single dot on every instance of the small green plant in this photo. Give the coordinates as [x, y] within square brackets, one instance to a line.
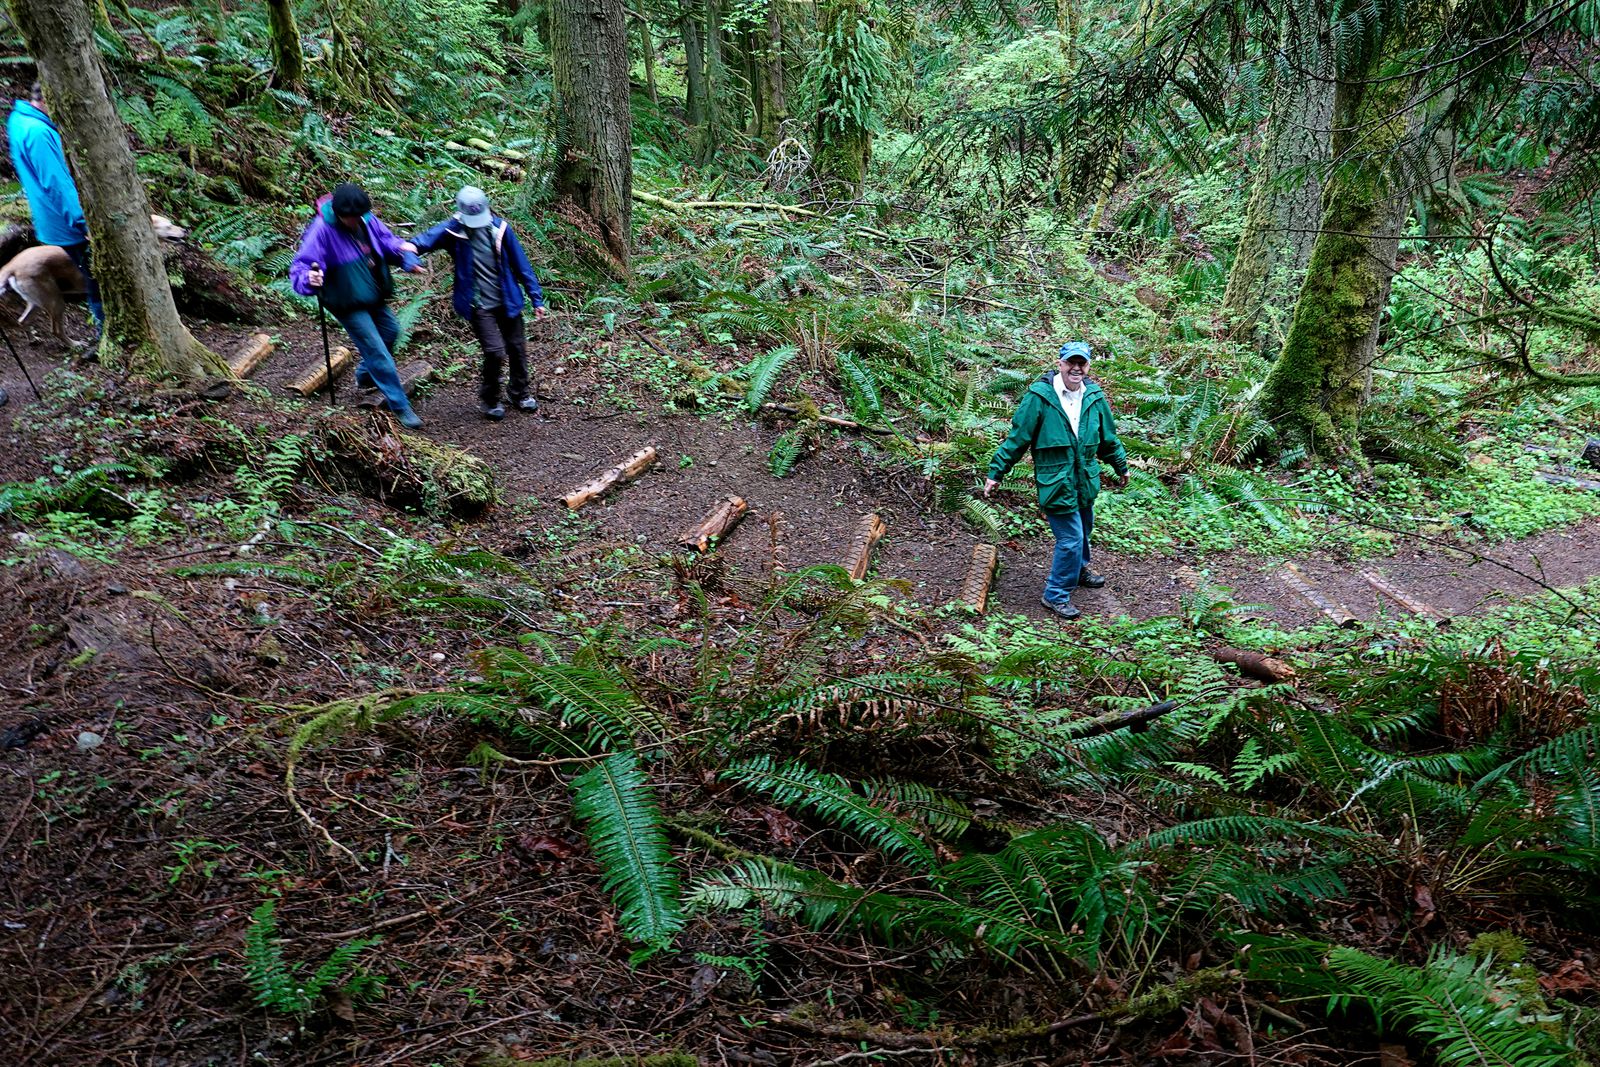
[285, 988]
[189, 856]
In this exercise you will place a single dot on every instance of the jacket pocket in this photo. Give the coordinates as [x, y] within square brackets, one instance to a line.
[1055, 484]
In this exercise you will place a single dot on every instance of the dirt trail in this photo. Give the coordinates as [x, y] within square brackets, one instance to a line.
[582, 430]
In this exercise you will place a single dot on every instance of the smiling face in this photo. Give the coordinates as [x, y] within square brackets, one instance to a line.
[1073, 371]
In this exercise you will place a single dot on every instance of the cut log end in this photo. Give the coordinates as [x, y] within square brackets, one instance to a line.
[1254, 664]
[1411, 603]
[1335, 612]
[412, 375]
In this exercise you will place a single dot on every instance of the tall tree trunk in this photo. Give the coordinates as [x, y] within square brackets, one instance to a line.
[694, 63]
[1317, 386]
[774, 105]
[142, 323]
[852, 58]
[288, 58]
[1285, 200]
[647, 46]
[594, 162]
[711, 132]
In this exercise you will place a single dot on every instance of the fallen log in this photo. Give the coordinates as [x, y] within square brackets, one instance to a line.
[1337, 613]
[1138, 721]
[829, 420]
[316, 378]
[1404, 599]
[1567, 479]
[417, 372]
[625, 471]
[1591, 453]
[722, 518]
[1254, 664]
[868, 530]
[980, 575]
[778, 531]
[249, 358]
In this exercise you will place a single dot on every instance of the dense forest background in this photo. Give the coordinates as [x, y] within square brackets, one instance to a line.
[325, 742]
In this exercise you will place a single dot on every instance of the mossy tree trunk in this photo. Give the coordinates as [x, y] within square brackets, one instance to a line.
[850, 87]
[1315, 391]
[647, 49]
[288, 58]
[594, 162]
[1281, 223]
[142, 324]
[694, 64]
[774, 107]
[710, 133]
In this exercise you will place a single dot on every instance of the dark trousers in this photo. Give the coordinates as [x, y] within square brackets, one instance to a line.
[79, 254]
[503, 339]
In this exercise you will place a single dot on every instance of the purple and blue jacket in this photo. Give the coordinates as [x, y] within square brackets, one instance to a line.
[354, 276]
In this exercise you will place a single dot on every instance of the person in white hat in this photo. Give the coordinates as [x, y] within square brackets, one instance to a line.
[492, 273]
[1066, 420]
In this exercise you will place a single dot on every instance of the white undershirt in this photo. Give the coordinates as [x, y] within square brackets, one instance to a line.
[1071, 403]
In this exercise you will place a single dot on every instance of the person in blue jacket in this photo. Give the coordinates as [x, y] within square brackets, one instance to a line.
[492, 271]
[41, 167]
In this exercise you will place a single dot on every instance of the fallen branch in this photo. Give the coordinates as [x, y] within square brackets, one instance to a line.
[1567, 479]
[828, 420]
[786, 210]
[316, 379]
[980, 575]
[1136, 721]
[868, 530]
[1296, 579]
[1404, 599]
[246, 361]
[625, 471]
[722, 518]
[1254, 664]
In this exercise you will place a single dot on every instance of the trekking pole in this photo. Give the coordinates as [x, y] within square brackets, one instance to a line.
[20, 365]
[327, 351]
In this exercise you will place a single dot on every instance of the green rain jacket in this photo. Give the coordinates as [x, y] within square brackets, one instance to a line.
[1066, 466]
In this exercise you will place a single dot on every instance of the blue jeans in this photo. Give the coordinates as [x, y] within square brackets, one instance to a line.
[79, 254]
[375, 331]
[1072, 553]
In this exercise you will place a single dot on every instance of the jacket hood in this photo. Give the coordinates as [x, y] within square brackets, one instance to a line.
[324, 210]
[29, 110]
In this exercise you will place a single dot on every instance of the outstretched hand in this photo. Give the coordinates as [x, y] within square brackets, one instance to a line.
[1118, 481]
[989, 486]
[540, 312]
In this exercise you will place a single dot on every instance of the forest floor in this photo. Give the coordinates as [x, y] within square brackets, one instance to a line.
[122, 943]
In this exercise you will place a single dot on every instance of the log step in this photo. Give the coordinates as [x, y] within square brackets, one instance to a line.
[602, 483]
[1567, 479]
[716, 525]
[980, 575]
[1404, 599]
[251, 356]
[315, 378]
[417, 372]
[868, 530]
[1337, 613]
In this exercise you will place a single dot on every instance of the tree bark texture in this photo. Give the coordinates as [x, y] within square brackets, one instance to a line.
[647, 47]
[711, 131]
[773, 107]
[288, 58]
[594, 164]
[1285, 199]
[142, 323]
[694, 64]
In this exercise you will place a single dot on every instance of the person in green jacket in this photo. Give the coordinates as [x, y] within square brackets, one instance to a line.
[1066, 420]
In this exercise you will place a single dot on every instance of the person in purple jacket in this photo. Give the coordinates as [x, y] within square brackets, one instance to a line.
[345, 255]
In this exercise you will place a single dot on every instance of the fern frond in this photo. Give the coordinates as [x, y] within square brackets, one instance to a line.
[832, 798]
[763, 373]
[623, 824]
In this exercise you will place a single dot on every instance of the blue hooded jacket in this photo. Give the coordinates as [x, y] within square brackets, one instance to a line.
[514, 265]
[47, 183]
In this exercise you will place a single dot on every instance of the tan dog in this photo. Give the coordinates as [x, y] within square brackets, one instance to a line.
[44, 276]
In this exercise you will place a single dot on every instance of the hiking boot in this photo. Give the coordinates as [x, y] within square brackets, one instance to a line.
[1090, 580]
[492, 411]
[364, 380]
[410, 420]
[527, 403]
[1066, 610]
